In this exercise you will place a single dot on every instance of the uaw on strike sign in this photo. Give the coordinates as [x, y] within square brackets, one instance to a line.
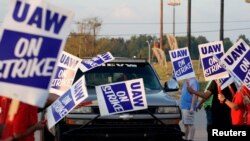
[121, 97]
[32, 36]
[182, 64]
[68, 101]
[65, 73]
[210, 54]
[96, 61]
[211, 67]
[237, 60]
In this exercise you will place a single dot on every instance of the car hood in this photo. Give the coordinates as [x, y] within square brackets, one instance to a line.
[154, 98]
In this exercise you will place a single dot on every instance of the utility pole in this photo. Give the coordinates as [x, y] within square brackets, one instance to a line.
[161, 24]
[189, 26]
[222, 20]
[173, 20]
[80, 26]
[174, 3]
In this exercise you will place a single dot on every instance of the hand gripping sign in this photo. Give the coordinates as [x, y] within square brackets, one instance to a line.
[237, 60]
[121, 97]
[182, 64]
[211, 67]
[65, 73]
[33, 35]
[68, 101]
[96, 61]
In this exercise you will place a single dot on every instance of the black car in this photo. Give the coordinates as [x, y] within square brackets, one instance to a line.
[159, 121]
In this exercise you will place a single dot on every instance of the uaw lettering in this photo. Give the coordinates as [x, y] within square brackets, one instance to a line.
[38, 17]
[211, 48]
[235, 54]
[69, 60]
[96, 61]
[237, 60]
[66, 102]
[121, 97]
[136, 90]
[79, 90]
[179, 53]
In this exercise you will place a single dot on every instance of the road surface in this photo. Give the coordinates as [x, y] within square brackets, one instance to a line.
[200, 126]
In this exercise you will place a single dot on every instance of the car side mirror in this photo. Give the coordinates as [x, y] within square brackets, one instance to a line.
[171, 85]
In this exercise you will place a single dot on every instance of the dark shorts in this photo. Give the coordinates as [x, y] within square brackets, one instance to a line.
[208, 115]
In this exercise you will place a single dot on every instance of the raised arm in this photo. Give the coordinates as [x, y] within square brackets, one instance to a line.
[230, 104]
[204, 95]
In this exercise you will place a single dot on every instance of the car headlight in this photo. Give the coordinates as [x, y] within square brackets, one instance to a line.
[164, 110]
[82, 110]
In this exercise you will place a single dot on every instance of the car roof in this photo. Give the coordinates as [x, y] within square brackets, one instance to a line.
[124, 60]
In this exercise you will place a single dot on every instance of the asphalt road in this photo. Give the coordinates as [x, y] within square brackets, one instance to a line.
[200, 126]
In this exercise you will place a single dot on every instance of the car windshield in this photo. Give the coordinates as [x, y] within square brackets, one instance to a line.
[116, 72]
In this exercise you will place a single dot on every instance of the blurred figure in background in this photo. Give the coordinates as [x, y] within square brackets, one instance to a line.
[188, 104]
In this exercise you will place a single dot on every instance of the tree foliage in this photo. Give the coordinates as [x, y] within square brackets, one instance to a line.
[84, 42]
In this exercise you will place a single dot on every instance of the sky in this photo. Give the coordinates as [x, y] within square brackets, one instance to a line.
[125, 18]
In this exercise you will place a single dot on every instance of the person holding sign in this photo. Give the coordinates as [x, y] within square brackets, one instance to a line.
[240, 107]
[23, 125]
[206, 103]
[4, 106]
[217, 109]
[188, 104]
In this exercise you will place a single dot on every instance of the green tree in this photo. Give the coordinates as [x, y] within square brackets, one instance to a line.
[227, 43]
[244, 38]
[135, 44]
[194, 51]
[182, 41]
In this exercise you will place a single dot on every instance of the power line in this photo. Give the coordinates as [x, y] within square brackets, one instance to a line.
[179, 33]
[150, 23]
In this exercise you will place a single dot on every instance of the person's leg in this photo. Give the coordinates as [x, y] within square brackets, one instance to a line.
[191, 132]
[184, 121]
[186, 131]
[209, 121]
